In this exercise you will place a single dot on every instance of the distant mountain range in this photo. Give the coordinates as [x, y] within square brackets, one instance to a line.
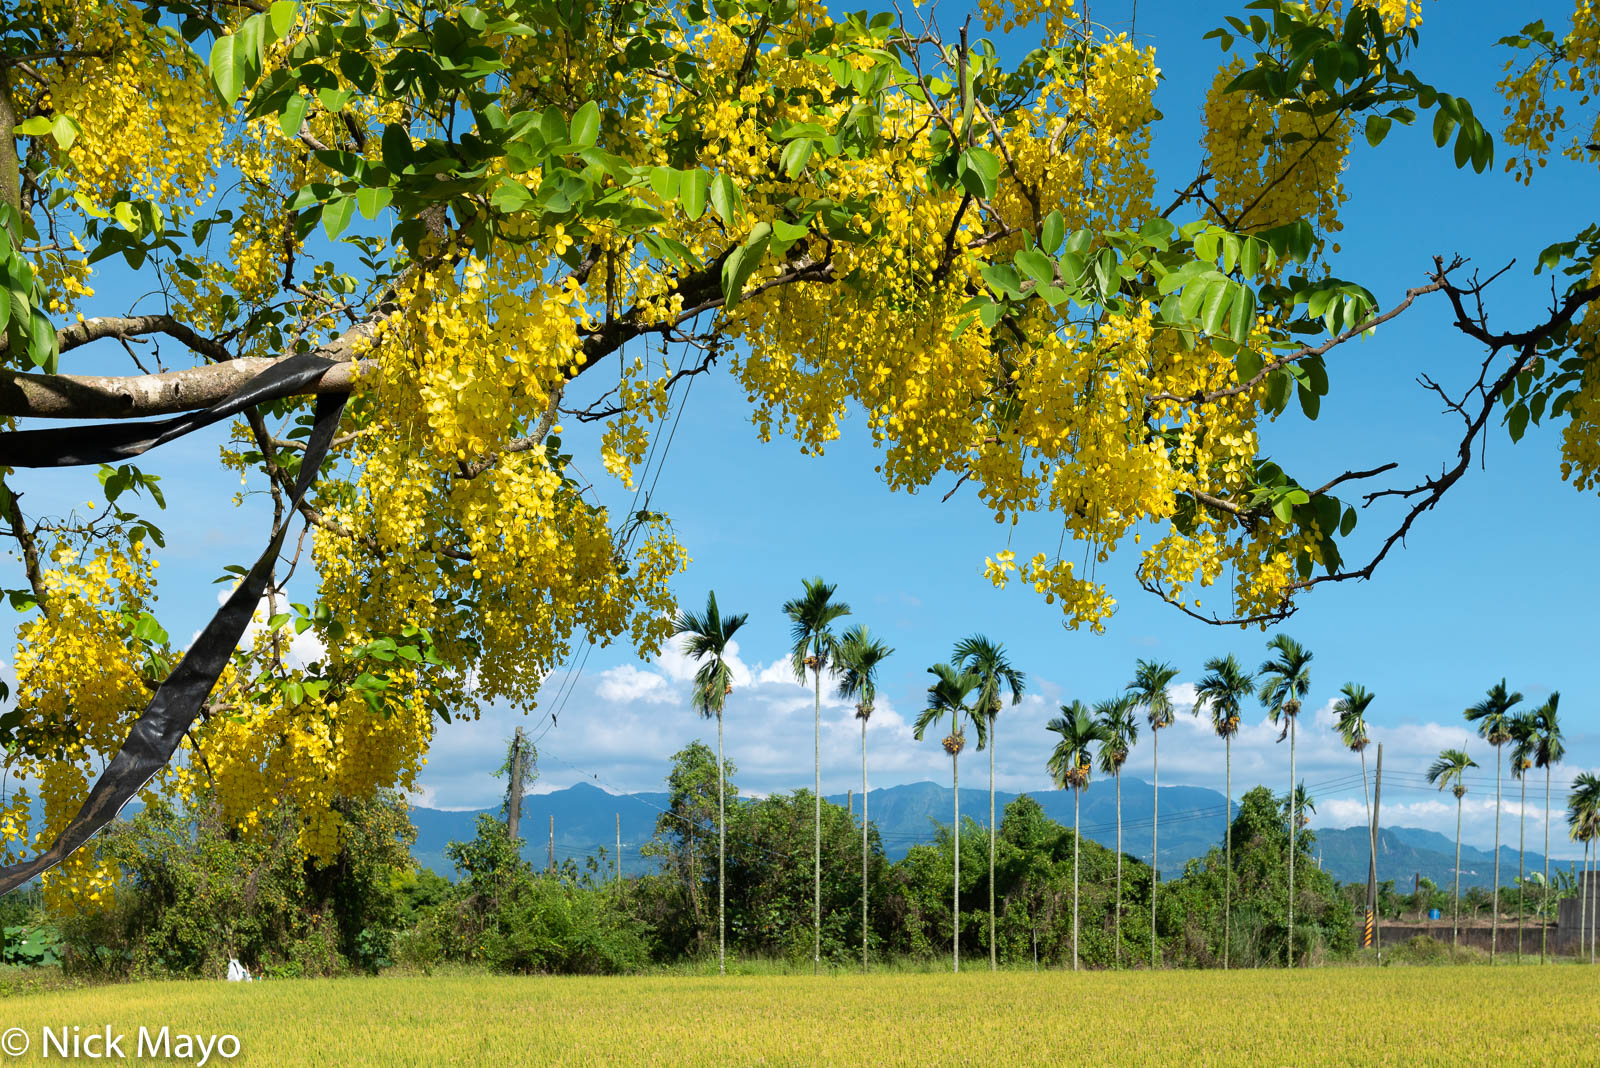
[1406, 852]
[586, 819]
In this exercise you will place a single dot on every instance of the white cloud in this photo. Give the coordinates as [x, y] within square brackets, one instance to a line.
[619, 727]
[626, 683]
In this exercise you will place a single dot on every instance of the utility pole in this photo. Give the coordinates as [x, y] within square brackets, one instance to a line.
[1372, 868]
[514, 791]
[850, 801]
[551, 864]
[619, 848]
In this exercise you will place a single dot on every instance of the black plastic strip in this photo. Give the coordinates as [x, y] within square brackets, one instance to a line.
[157, 732]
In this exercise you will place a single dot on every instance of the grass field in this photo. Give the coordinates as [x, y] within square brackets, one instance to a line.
[1389, 1016]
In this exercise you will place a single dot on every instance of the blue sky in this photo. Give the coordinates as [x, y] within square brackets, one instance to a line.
[1491, 583]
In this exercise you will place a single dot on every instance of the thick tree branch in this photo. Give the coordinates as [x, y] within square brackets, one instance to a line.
[136, 396]
[124, 327]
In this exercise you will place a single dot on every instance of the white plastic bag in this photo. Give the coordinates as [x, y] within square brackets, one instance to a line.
[237, 973]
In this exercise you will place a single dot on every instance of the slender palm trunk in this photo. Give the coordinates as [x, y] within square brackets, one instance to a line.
[1118, 776]
[863, 843]
[1544, 918]
[1522, 844]
[722, 857]
[1076, 792]
[1227, 846]
[1455, 923]
[1494, 918]
[955, 915]
[1583, 906]
[1155, 824]
[1588, 888]
[816, 899]
[1294, 839]
[993, 964]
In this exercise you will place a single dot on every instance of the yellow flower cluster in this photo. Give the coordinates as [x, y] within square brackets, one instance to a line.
[1534, 91]
[149, 122]
[1059, 17]
[1580, 438]
[78, 689]
[1264, 180]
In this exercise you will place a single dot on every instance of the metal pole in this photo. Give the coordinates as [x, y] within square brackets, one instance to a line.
[619, 847]
[551, 865]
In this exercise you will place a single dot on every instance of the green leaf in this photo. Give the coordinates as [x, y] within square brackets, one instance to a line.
[1243, 316]
[726, 199]
[979, 171]
[1037, 266]
[1310, 403]
[293, 115]
[510, 196]
[586, 125]
[1247, 364]
[373, 200]
[1348, 523]
[42, 341]
[1106, 278]
[336, 215]
[742, 263]
[1378, 128]
[1051, 233]
[1250, 257]
[1215, 306]
[1518, 421]
[65, 131]
[692, 189]
[236, 59]
[281, 15]
[796, 154]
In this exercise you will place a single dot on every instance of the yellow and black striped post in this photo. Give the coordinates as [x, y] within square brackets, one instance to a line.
[1370, 929]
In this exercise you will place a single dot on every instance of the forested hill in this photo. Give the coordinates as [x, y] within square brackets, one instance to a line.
[1191, 821]
[586, 820]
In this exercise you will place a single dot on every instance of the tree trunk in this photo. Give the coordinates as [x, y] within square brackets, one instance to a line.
[816, 899]
[1118, 910]
[1076, 793]
[10, 165]
[1455, 924]
[863, 844]
[1494, 915]
[1522, 845]
[1155, 824]
[722, 858]
[993, 963]
[955, 914]
[1227, 846]
[1294, 838]
[1544, 921]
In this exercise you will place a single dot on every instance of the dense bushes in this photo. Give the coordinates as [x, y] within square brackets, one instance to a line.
[500, 913]
[193, 895]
